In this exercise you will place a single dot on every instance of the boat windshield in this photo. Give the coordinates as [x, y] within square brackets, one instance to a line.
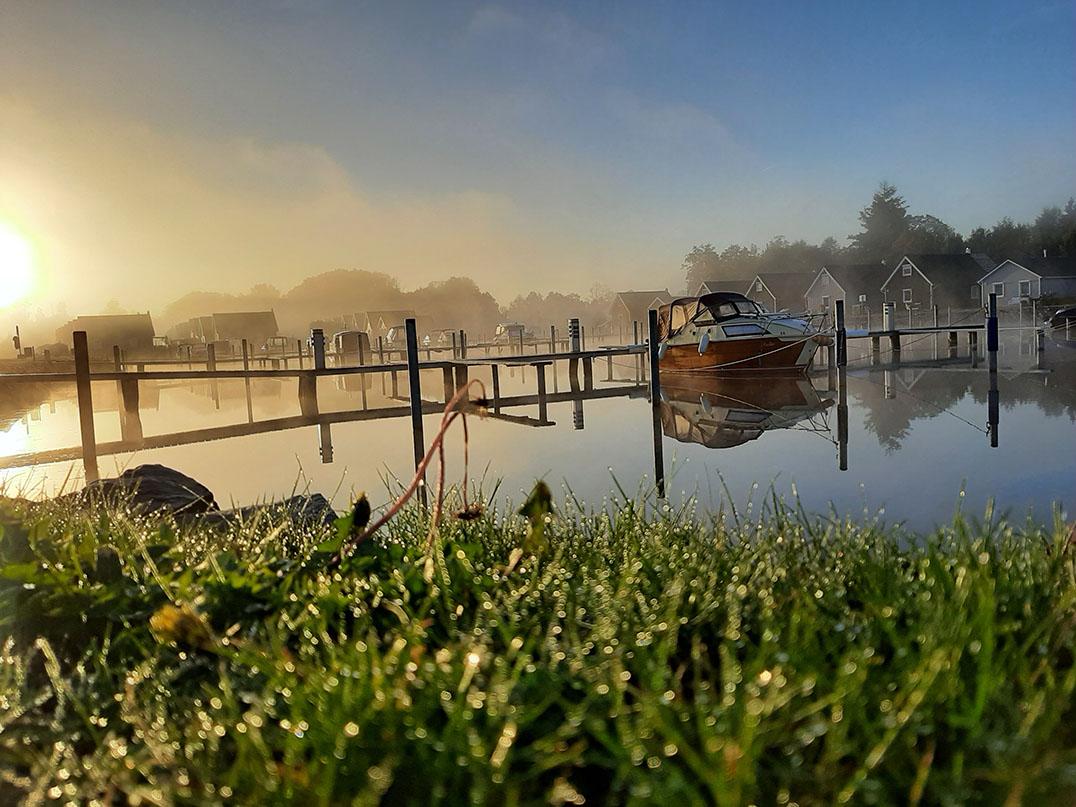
[727, 310]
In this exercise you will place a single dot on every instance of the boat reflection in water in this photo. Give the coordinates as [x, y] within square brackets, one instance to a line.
[726, 412]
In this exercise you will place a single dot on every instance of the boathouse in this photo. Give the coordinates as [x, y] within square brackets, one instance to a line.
[859, 285]
[131, 332]
[780, 291]
[632, 306]
[257, 327]
[378, 323]
[1031, 278]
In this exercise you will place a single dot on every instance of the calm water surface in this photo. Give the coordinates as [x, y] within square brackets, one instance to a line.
[917, 436]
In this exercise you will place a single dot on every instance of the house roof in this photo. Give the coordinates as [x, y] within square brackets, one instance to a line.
[136, 325]
[638, 302]
[855, 278]
[784, 285]
[737, 284]
[239, 323]
[959, 271]
[1047, 266]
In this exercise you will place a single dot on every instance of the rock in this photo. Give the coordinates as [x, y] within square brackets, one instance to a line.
[305, 511]
[156, 487]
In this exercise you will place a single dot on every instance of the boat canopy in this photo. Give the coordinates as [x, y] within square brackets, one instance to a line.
[675, 316]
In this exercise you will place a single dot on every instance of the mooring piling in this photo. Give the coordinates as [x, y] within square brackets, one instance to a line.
[85, 405]
[655, 402]
[414, 391]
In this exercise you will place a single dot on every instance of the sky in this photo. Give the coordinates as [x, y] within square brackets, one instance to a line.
[148, 149]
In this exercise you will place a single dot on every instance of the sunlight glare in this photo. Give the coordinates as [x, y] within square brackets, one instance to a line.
[16, 265]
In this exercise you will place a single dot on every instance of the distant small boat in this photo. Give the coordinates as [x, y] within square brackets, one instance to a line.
[725, 332]
[725, 412]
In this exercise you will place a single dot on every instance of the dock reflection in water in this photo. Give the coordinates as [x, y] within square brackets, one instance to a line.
[913, 435]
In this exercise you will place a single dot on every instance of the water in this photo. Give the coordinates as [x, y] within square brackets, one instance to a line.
[917, 437]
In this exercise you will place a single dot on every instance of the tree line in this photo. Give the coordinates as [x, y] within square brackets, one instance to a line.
[887, 231]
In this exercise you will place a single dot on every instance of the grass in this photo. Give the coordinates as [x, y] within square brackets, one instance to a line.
[626, 657]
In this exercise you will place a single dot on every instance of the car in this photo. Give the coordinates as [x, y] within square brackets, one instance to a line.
[1063, 318]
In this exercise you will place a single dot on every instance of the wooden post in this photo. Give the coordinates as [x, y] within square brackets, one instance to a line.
[1040, 347]
[190, 365]
[130, 420]
[462, 376]
[552, 338]
[842, 334]
[246, 356]
[210, 357]
[876, 349]
[308, 395]
[447, 381]
[655, 401]
[299, 350]
[414, 391]
[380, 350]
[992, 333]
[325, 443]
[317, 342]
[952, 344]
[496, 372]
[543, 411]
[842, 418]
[993, 408]
[455, 346]
[117, 359]
[935, 316]
[588, 374]
[521, 342]
[582, 337]
[463, 344]
[609, 367]
[573, 335]
[85, 405]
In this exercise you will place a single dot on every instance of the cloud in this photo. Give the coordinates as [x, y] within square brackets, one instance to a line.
[124, 210]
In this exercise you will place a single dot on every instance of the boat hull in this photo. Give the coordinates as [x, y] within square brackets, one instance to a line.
[762, 354]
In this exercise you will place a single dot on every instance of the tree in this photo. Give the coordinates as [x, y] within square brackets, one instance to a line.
[884, 222]
[929, 234]
[701, 264]
[1055, 230]
[1006, 239]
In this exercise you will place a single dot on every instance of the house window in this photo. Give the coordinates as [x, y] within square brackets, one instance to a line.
[998, 289]
[863, 298]
[975, 292]
[906, 270]
[1025, 288]
[907, 295]
[758, 286]
[825, 302]
[825, 280]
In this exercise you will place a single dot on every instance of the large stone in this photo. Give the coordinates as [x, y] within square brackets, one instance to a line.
[305, 511]
[156, 487]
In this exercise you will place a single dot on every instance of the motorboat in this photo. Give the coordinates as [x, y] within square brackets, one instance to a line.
[726, 332]
[722, 412]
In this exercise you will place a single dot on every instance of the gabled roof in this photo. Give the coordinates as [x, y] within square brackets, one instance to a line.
[854, 278]
[639, 302]
[961, 270]
[784, 285]
[238, 323]
[1047, 266]
[737, 284]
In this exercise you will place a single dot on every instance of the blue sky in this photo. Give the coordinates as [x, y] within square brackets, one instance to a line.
[544, 145]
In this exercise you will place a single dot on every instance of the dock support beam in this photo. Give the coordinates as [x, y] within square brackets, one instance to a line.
[842, 418]
[130, 420]
[842, 334]
[992, 333]
[495, 369]
[543, 409]
[246, 382]
[85, 405]
[655, 403]
[317, 342]
[308, 395]
[414, 391]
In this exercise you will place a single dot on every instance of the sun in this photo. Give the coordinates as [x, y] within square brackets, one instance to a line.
[16, 265]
